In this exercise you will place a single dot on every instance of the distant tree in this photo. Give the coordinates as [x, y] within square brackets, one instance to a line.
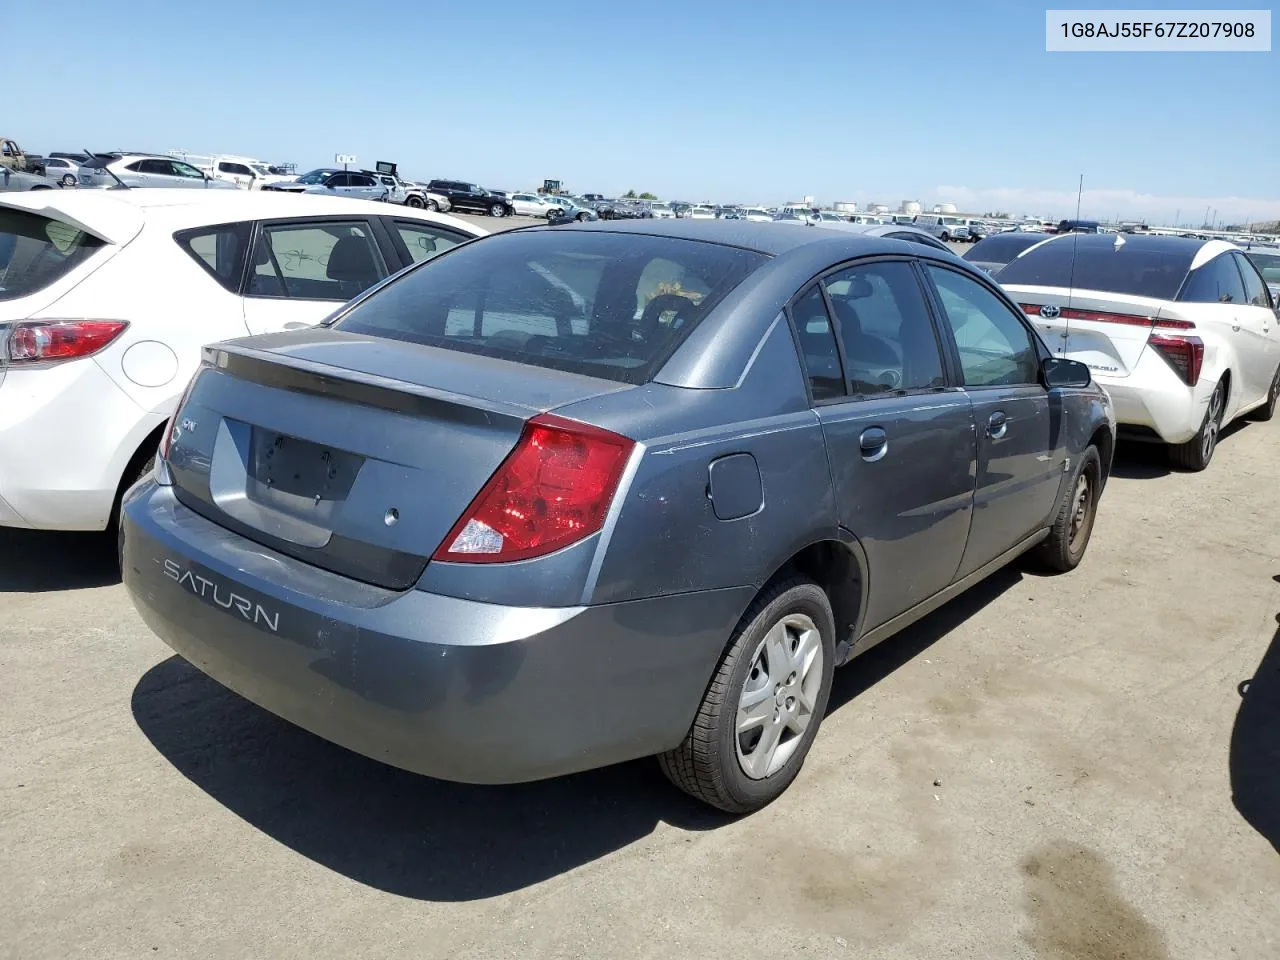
[629, 195]
[998, 215]
[648, 196]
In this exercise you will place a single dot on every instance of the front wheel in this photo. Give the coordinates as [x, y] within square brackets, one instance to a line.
[1268, 409]
[584, 217]
[416, 202]
[946, 238]
[762, 709]
[1072, 526]
[1196, 453]
[497, 210]
[68, 180]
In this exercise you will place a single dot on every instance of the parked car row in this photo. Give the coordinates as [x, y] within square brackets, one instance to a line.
[464, 461]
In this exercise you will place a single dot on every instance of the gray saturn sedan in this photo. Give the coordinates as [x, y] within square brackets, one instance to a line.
[567, 496]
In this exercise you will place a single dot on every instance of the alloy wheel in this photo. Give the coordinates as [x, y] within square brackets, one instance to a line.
[778, 698]
[1212, 424]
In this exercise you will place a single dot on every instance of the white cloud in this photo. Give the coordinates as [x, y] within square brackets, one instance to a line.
[1097, 204]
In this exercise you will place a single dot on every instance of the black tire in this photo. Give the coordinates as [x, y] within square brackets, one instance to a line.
[497, 210]
[1073, 522]
[433, 206]
[1195, 454]
[1268, 410]
[706, 764]
[945, 238]
[143, 462]
[416, 202]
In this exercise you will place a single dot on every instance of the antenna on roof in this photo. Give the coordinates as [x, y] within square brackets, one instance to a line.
[1075, 244]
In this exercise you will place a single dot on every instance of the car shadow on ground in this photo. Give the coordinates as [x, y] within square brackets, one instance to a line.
[1136, 460]
[428, 839]
[1255, 747]
[36, 561]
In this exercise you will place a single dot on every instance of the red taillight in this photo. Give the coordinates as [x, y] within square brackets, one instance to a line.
[169, 435]
[1030, 309]
[50, 341]
[552, 490]
[1184, 354]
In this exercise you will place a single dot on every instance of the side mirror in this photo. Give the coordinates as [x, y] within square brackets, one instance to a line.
[1060, 372]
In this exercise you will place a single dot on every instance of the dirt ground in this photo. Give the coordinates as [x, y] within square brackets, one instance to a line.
[1082, 766]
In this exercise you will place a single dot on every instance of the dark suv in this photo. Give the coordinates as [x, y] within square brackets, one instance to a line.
[472, 197]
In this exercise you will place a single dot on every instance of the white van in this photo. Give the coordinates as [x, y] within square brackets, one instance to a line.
[245, 172]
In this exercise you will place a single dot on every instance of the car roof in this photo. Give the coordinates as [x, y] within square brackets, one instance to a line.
[118, 215]
[773, 238]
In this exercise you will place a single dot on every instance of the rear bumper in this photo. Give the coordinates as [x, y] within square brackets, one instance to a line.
[451, 688]
[1153, 396]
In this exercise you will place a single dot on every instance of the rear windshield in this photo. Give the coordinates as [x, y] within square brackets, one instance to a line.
[606, 305]
[35, 251]
[1001, 247]
[1155, 273]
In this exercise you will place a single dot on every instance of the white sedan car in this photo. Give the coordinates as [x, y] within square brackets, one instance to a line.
[107, 297]
[532, 205]
[1182, 333]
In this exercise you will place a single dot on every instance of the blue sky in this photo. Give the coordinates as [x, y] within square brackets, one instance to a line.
[691, 100]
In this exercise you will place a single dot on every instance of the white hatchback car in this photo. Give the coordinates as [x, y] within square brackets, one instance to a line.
[106, 298]
[1182, 333]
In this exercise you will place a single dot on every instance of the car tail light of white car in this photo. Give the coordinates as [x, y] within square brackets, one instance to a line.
[552, 490]
[1184, 354]
[1103, 316]
[53, 341]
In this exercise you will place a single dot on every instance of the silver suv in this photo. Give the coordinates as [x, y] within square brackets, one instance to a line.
[144, 170]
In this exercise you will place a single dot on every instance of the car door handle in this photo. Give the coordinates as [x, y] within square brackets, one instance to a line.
[997, 425]
[873, 443]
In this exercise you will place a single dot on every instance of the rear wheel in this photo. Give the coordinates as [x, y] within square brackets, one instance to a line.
[68, 180]
[1268, 409]
[1196, 453]
[433, 206]
[584, 217]
[763, 707]
[1072, 526]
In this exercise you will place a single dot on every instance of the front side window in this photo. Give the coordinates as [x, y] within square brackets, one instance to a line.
[219, 249]
[818, 345]
[1255, 290]
[1217, 281]
[181, 169]
[236, 168]
[604, 305]
[338, 180]
[888, 338]
[315, 261]
[35, 251]
[995, 347]
[425, 240]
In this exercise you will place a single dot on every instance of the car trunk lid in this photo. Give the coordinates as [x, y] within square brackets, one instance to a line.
[1106, 331]
[354, 453]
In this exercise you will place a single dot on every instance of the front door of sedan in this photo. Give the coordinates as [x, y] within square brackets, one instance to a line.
[302, 271]
[899, 439]
[1021, 448]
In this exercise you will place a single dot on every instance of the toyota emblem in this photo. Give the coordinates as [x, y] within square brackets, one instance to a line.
[1049, 312]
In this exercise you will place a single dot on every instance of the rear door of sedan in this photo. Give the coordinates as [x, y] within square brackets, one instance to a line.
[899, 434]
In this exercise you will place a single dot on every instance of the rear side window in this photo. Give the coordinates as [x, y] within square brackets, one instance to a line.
[35, 251]
[1156, 273]
[314, 261]
[1217, 281]
[599, 304]
[818, 345]
[1254, 289]
[219, 249]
